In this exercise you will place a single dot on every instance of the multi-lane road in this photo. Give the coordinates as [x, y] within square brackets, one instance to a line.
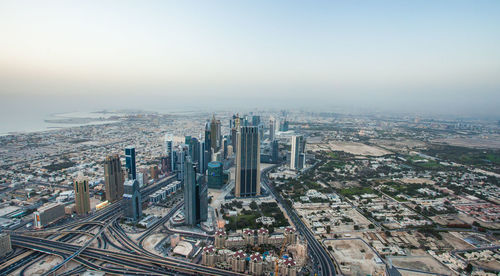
[319, 254]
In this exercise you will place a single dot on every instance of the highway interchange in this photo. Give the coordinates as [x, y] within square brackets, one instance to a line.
[117, 253]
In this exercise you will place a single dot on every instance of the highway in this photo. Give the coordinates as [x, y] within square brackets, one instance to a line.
[318, 252]
[97, 218]
[149, 264]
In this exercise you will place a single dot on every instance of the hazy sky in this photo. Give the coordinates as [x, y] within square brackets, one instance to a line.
[400, 55]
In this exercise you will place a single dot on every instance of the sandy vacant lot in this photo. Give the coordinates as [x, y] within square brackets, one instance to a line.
[422, 263]
[357, 148]
[418, 180]
[151, 241]
[355, 257]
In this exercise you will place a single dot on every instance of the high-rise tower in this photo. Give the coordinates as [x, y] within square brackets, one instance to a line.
[82, 198]
[132, 203]
[272, 128]
[195, 195]
[247, 162]
[113, 178]
[297, 157]
[215, 134]
[130, 162]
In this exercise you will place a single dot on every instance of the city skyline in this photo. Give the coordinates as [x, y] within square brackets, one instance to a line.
[223, 137]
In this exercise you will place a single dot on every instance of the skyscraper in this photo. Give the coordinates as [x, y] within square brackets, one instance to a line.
[225, 144]
[215, 175]
[298, 145]
[255, 120]
[275, 150]
[215, 134]
[132, 204]
[203, 157]
[247, 162]
[82, 198]
[284, 125]
[130, 162]
[168, 144]
[208, 143]
[180, 158]
[113, 178]
[195, 194]
[169, 148]
[234, 129]
[195, 154]
[272, 128]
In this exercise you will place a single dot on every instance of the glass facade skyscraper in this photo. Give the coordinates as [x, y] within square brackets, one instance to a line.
[195, 195]
[132, 203]
[215, 175]
[130, 162]
[298, 146]
[247, 162]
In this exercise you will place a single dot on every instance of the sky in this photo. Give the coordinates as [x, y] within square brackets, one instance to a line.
[415, 56]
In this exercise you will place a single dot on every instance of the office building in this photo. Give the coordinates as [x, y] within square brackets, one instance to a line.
[195, 195]
[203, 158]
[130, 162]
[196, 154]
[165, 165]
[132, 204]
[247, 162]
[296, 160]
[225, 145]
[284, 125]
[48, 214]
[113, 178]
[169, 144]
[275, 151]
[82, 197]
[215, 175]
[180, 155]
[255, 120]
[208, 144]
[272, 128]
[5, 244]
[215, 134]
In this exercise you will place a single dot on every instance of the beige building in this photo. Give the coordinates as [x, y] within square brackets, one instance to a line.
[262, 236]
[5, 244]
[220, 238]
[209, 256]
[255, 265]
[249, 236]
[235, 241]
[238, 261]
[82, 199]
[290, 235]
[288, 267]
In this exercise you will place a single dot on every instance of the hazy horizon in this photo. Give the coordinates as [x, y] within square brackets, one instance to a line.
[430, 57]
